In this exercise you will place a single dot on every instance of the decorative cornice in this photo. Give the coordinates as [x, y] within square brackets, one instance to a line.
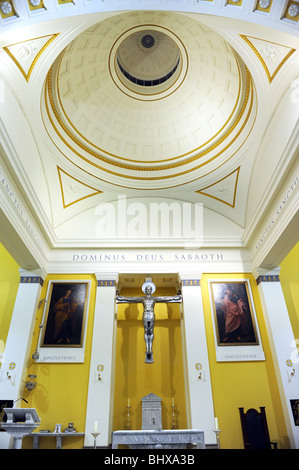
[106, 279]
[190, 282]
[31, 280]
[106, 283]
[271, 278]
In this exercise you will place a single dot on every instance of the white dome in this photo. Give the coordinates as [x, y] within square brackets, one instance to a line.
[126, 128]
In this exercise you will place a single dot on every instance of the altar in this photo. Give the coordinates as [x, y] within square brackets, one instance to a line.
[152, 436]
[163, 439]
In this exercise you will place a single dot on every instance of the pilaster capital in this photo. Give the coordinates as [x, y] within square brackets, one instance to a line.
[36, 276]
[264, 275]
[190, 278]
[107, 279]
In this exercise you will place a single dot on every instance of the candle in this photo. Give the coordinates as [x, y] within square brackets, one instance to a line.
[216, 424]
[95, 426]
[172, 401]
[128, 402]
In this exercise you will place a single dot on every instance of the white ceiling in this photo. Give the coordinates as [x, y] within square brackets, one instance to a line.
[223, 132]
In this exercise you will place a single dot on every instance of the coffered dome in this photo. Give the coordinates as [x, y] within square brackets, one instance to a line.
[129, 97]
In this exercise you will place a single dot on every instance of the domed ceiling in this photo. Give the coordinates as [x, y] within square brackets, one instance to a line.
[151, 104]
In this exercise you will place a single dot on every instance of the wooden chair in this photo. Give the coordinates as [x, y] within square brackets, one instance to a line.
[255, 429]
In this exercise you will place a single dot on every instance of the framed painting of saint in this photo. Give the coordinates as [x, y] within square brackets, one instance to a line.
[66, 312]
[234, 321]
[63, 328]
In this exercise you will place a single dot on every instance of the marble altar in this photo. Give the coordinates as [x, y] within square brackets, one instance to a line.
[164, 439]
[152, 436]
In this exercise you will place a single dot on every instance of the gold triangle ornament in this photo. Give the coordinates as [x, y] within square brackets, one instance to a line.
[73, 190]
[25, 54]
[271, 55]
[223, 190]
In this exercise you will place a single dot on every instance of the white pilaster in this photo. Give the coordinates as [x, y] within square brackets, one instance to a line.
[283, 345]
[17, 347]
[100, 390]
[199, 390]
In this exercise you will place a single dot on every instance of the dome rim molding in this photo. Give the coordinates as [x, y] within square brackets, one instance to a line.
[251, 105]
[51, 112]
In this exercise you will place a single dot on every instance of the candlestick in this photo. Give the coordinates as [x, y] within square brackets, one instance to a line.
[217, 432]
[95, 435]
[216, 424]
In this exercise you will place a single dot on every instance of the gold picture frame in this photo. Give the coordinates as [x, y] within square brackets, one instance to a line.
[65, 318]
[234, 320]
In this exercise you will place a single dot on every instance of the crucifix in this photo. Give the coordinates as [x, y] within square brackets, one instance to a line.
[148, 317]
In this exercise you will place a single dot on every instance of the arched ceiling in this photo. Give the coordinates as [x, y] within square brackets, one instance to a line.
[153, 104]
[179, 128]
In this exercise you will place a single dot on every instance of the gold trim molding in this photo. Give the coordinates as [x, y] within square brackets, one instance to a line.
[65, 206]
[202, 191]
[37, 56]
[157, 168]
[257, 53]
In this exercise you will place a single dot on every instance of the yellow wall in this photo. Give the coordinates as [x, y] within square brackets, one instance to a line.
[9, 283]
[242, 384]
[135, 379]
[289, 278]
[61, 393]
[234, 384]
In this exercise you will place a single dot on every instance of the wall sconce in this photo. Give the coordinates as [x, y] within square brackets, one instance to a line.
[198, 367]
[11, 375]
[100, 369]
[290, 364]
[31, 385]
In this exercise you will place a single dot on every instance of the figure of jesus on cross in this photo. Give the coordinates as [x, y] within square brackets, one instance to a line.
[148, 317]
